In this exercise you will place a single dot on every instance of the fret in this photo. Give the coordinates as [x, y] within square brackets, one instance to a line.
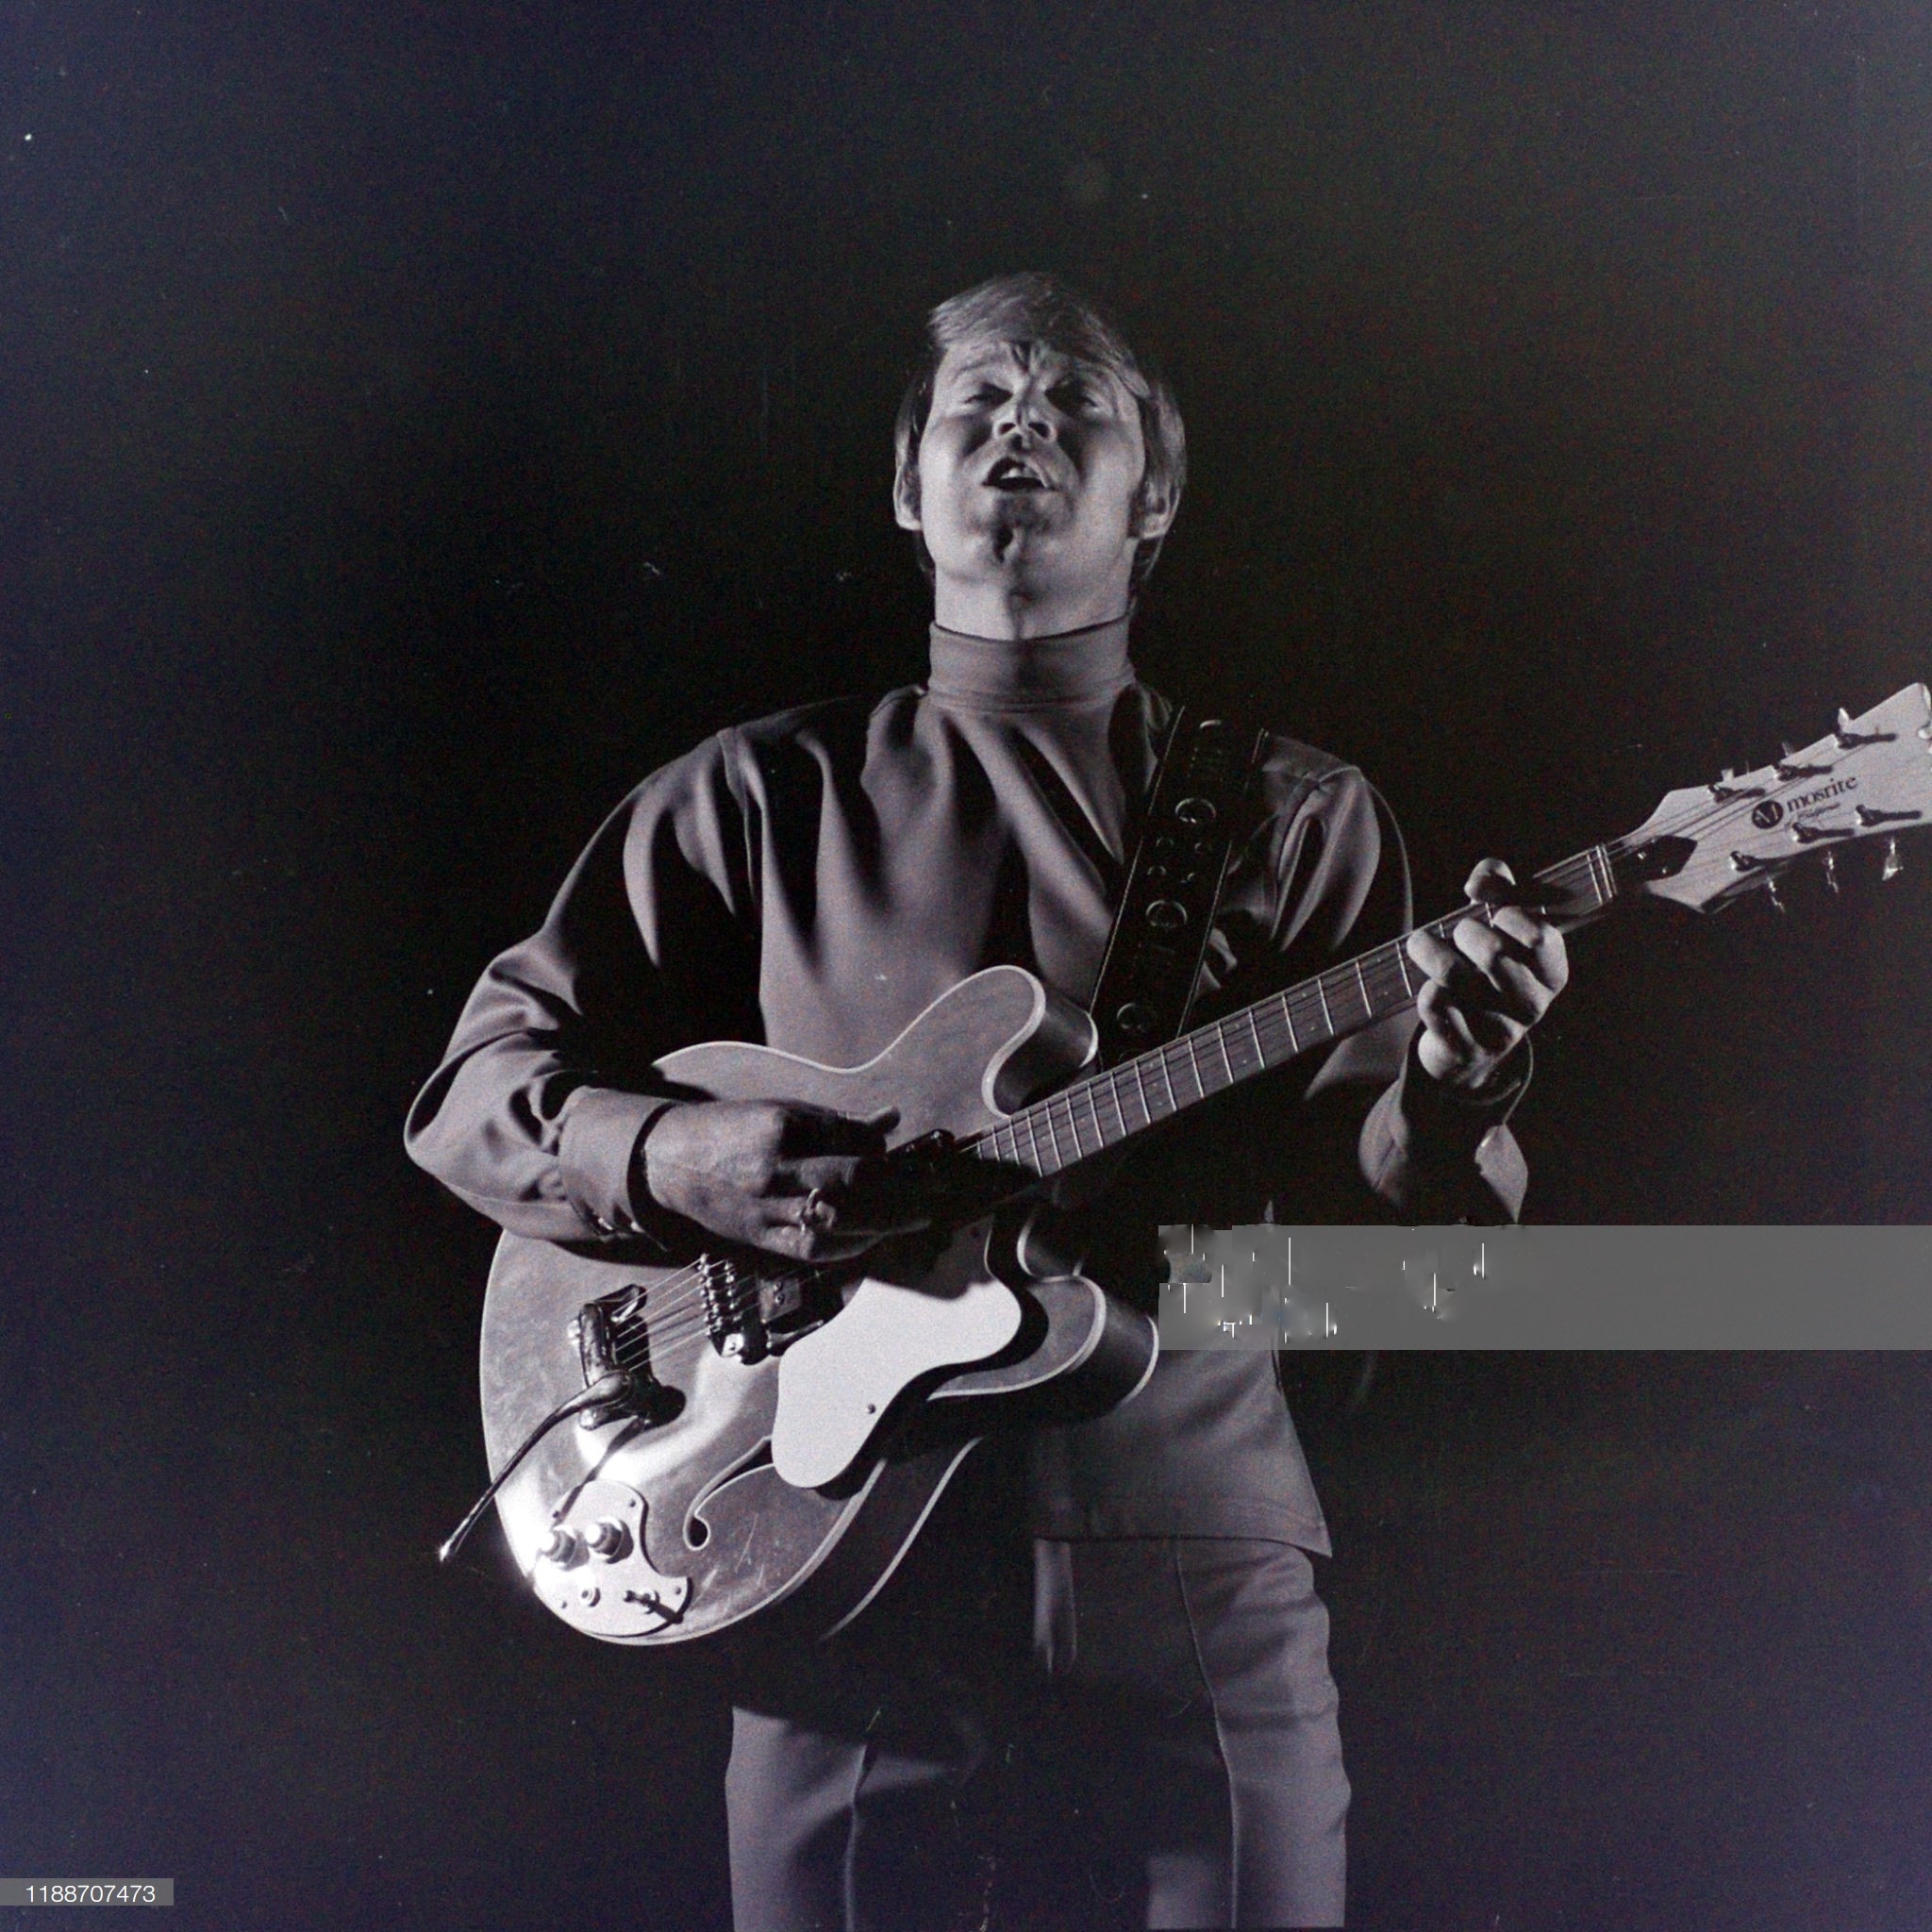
[1374, 967]
[1384, 978]
[1232, 1042]
[1400, 991]
[1195, 1067]
[1173, 1104]
[1090, 1088]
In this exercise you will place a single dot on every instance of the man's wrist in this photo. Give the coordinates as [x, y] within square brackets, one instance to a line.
[597, 1151]
[1503, 1079]
[643, 1197]
[1454, 1120]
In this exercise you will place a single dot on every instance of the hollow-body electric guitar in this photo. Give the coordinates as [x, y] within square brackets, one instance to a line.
[675, 1450]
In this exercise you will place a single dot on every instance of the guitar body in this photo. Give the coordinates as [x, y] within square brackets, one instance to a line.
[782, 1432]
[796, 1471]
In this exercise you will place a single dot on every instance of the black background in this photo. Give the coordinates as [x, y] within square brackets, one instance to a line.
[421, 421]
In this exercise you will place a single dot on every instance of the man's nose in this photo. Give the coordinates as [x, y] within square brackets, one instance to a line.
[1025, 415]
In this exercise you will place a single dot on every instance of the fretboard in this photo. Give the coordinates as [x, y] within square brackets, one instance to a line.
[1106, 1108]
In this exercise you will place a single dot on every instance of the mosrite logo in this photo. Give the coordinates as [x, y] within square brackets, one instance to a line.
[1766, 815]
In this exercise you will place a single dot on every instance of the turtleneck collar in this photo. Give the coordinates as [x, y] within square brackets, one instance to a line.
[1076, 667]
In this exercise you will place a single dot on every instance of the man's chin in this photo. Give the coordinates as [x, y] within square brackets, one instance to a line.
[1024, 539]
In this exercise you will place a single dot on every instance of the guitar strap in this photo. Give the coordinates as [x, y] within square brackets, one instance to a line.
[1200, 804]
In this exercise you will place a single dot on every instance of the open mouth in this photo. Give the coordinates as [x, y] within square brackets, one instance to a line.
[1015, 473]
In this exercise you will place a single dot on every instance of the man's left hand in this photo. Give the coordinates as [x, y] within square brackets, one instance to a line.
[1487, 988]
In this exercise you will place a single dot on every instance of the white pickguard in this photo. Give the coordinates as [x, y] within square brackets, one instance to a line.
[836, 1384]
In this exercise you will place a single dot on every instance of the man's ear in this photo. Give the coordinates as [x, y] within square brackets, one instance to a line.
[906, 497]
[1153, 511]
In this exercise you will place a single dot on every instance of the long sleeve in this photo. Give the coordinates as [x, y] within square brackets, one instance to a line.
[812, 882]
[1360, 1132]
[1425, 1153]
[535, 1114]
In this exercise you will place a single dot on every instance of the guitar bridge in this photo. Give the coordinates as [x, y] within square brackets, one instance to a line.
[733, 1316]
[750, 1314]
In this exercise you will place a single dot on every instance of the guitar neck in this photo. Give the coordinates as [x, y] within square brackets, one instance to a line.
[1107, 1109]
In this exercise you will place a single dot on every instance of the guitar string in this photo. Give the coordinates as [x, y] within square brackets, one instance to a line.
[1309, 1001]
[1295, 1002]
[671, 1331]
[678, 1323]
[667, 1335]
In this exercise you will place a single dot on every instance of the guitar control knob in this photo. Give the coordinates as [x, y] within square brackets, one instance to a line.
[605, 1536]
[560, 1546]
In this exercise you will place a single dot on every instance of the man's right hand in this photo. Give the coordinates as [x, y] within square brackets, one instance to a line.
[799, 1181]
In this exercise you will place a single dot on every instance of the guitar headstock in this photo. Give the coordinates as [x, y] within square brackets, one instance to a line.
[1708, 845]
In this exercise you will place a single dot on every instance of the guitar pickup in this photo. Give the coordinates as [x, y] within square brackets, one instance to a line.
[781, 1303]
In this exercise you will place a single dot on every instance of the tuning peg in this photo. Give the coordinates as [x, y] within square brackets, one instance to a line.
[1894, 864]
[1831, 871]
[1845, 734]
[1790, 750]
[1771, 887]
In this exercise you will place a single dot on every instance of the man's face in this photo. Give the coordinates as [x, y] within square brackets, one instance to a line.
[1029, 471]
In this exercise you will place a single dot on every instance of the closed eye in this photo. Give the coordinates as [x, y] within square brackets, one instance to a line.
[1078, 397]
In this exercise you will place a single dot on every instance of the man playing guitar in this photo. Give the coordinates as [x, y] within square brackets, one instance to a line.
[814, 881]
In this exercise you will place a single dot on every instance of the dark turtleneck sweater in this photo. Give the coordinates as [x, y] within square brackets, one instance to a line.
[814, 880]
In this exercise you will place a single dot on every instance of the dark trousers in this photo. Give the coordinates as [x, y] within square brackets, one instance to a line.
[1094, 1735]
